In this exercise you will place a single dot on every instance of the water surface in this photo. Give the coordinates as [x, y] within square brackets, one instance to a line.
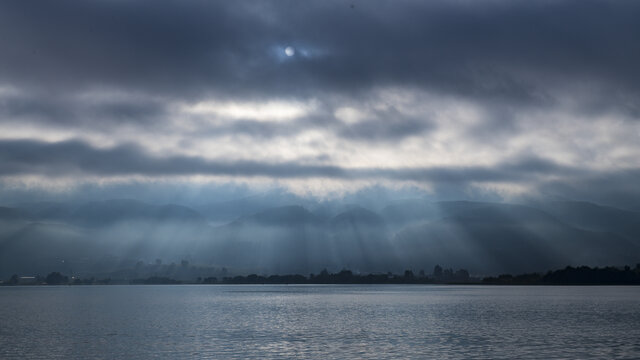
[319, 322]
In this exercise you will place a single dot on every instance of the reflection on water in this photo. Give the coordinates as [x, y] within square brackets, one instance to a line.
[322, 322]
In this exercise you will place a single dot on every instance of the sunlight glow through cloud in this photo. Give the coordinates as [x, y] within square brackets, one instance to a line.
[274, 110]
[306, 96]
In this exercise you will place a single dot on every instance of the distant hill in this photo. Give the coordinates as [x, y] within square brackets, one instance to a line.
[361, 240]
[46, 210]
[11, 214]
[496, 237]
[83, 236]
[37, 248]
[109, 212]
[280, 239]
[485, 238]
[229, 210]
[596, 217]
[284, 216]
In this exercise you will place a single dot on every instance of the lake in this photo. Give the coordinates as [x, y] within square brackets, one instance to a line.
[319, 322]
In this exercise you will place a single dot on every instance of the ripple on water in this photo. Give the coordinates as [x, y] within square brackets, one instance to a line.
[319, 322]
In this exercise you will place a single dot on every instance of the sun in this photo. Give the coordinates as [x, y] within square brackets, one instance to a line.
[289, 51]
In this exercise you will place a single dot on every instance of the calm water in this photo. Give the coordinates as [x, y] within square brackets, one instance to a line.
[320, 322]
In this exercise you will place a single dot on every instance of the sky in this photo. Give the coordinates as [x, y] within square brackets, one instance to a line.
[448, 99]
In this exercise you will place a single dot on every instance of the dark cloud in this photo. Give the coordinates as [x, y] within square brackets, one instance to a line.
[388, 125]
[75, 159]
[63, 110]
[504, 50]
[125, 68]
[384, 126]
[505, 53]
[69, 158]
[108, 111]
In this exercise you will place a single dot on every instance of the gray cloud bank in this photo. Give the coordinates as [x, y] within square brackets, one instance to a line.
[541, 95]
[512, 50]
[77, 158]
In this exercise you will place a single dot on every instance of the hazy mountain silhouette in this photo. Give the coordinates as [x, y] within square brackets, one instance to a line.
[230, 210]
[47, 210]
[98, 236]
[287, 238]
[11, 214]
[486, 238]
[285, 216]
[102, 213]
[360, 240]
[37, 247]
[494, 237]
[596, 217]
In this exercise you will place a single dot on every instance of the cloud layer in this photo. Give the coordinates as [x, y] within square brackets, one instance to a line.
[508, 95]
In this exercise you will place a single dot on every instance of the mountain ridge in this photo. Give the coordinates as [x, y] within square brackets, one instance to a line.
[486, 237]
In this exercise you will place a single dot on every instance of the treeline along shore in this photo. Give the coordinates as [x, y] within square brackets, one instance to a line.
[582, 275]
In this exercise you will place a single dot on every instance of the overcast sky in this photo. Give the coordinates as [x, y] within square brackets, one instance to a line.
[321, 98]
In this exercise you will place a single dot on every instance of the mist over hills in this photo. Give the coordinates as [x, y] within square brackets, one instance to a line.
[100, 237]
